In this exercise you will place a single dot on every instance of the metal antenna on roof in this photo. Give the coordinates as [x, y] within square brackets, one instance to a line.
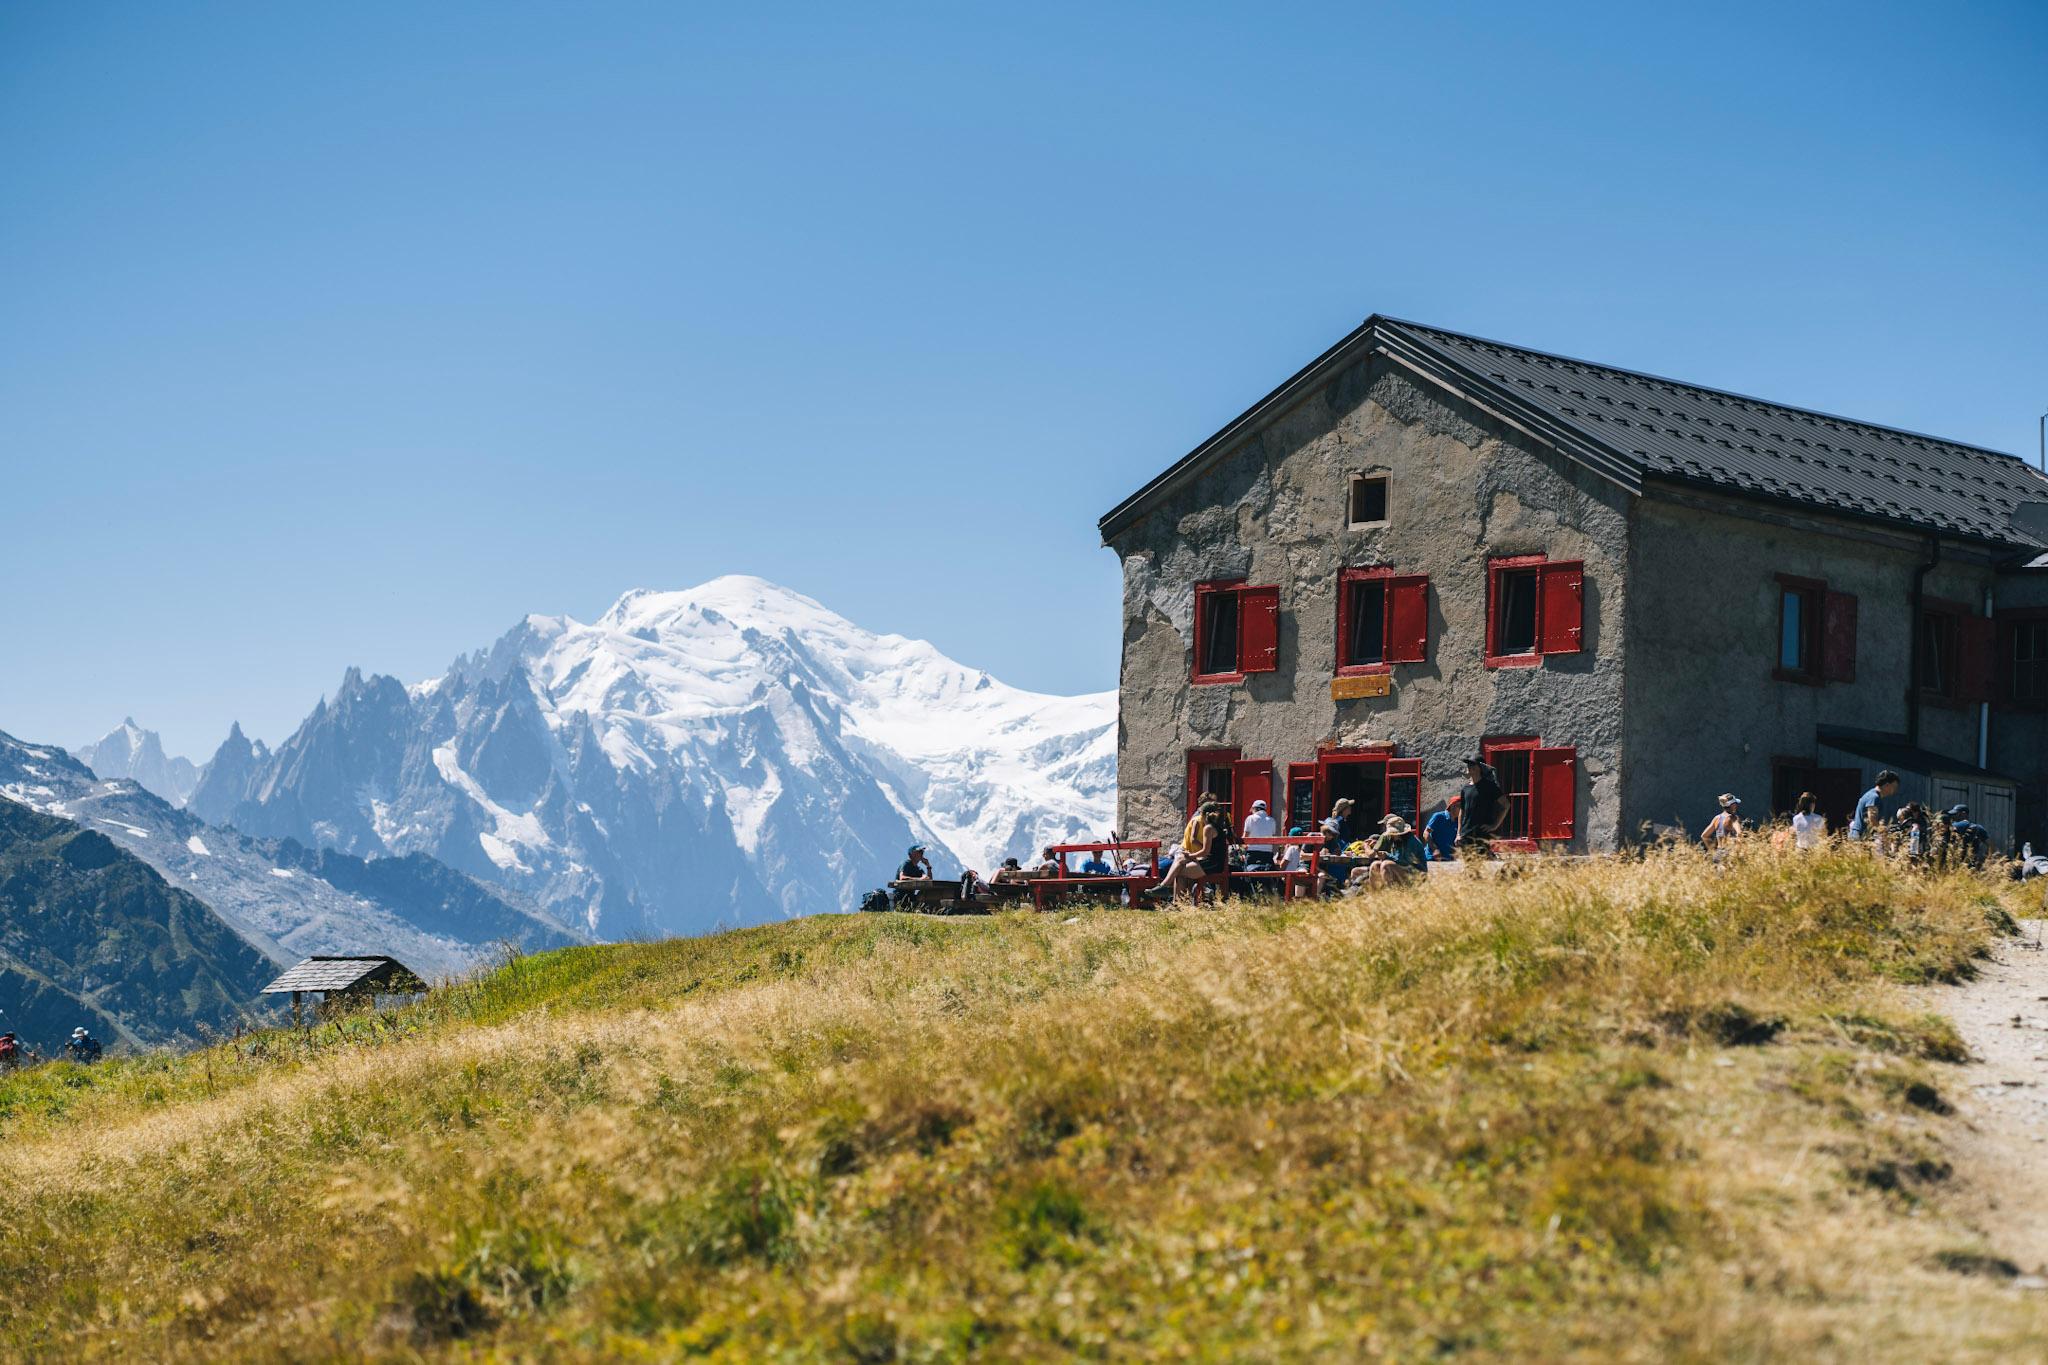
[2044, 443]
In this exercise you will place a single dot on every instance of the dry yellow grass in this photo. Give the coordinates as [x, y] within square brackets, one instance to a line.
[1618, 1110]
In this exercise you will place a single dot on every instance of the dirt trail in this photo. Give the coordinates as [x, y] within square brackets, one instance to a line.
[2002, 1153]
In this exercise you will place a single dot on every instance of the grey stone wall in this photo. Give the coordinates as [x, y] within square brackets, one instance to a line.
[1705, 714]
[1463, 489]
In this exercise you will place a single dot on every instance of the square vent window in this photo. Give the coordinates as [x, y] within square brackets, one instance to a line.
[1368, 500]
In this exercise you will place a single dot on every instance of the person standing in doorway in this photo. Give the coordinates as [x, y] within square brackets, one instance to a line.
[1481, 809]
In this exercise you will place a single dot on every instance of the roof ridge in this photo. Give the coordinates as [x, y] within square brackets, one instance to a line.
[1710, 389]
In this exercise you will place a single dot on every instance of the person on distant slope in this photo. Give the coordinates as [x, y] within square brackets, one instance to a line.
[1260, 824]
[10, 1052]
[83, 1047]
[1440, 832]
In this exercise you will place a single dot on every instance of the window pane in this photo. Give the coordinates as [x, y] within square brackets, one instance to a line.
[1366, 636]
[1517, 607]
[1792, 631]
[1219, 633]
[1512, 767]
[1368, 500]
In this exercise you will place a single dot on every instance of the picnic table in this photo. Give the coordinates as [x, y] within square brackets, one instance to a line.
[1292, 882]
[1124, 887]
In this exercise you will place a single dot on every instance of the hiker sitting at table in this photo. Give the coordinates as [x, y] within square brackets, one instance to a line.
[1215, 859]
[917, 868]
[1094, 866]
[1048, 865]
[1440, 832]
[1290, 854]
[1336, 826]
[1011, 873]
[1397, 854]
[1260, 824]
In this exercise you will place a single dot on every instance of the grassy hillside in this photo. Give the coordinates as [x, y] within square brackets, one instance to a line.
[1636, 1110]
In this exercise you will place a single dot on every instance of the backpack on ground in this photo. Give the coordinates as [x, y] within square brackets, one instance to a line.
[874, 902]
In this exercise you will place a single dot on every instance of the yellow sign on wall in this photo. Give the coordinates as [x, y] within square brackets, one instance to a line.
[1365, 685]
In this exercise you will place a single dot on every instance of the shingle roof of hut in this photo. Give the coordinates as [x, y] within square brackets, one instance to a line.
[342, 973]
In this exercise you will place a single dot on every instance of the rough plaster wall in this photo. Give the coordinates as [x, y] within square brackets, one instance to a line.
[1705, 715]
[1463, 489]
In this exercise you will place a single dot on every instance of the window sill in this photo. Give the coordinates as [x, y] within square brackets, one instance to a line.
[1363, 670]
[1514, 660]
[1216, 679]
[1789, 675]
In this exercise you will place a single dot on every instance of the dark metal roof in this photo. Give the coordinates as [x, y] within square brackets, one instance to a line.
[1630, 427]
[340, 973]
[1907, 758]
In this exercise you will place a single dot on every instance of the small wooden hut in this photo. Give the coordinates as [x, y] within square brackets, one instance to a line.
[346, 979]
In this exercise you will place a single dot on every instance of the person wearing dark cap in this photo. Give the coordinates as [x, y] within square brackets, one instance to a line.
[1482, 808]
[914, 878]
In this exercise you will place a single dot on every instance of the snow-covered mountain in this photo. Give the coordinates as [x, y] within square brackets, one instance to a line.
[720, 755]
[132, 752]
[286, 899]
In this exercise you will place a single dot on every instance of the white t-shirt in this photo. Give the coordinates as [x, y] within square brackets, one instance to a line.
[1808, 829]
[1260, 825]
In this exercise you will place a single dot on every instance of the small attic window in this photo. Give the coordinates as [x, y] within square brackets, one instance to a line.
[1368, 500]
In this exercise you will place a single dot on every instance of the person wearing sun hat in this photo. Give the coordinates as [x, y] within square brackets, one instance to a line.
[1726, 826]
[1397, 854]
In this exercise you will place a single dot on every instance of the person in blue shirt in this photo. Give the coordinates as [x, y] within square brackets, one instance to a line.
[1869, 820]
[1093, 866]
[1440, 832]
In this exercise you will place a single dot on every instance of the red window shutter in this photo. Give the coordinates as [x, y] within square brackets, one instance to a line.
[1251, 780]
[1977, 647]
[1407, 619]
[1560, 607]
[1258, 630]
[1838, 637]
[1554, 792]
[1201, 633]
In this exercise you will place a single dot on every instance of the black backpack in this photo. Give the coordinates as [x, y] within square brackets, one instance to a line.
[874, 901]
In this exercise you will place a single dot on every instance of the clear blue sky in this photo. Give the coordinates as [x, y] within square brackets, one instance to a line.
[350, 333]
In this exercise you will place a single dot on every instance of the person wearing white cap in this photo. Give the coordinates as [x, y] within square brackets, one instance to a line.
[1260, 824]
[1726, 826]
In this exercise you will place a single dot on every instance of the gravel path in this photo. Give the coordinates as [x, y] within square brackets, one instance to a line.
[2002, 1155]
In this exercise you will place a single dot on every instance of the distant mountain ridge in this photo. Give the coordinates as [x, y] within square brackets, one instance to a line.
[132, 752]
[286, 898]
[726, 754]
[92, 935]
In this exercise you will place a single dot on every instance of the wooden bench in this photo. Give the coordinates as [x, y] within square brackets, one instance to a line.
[1124, 887]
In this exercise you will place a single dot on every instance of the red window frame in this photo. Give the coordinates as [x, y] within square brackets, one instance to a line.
[1404, 619]
[1258, 629]
[1201, 761]
[1560, 608]
[1549, 793]
[1392, 770]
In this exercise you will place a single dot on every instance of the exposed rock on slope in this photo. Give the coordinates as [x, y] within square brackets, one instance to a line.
[284, 898]
[92, 935]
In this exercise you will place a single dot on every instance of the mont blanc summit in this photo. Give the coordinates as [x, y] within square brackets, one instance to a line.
[724, 754]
